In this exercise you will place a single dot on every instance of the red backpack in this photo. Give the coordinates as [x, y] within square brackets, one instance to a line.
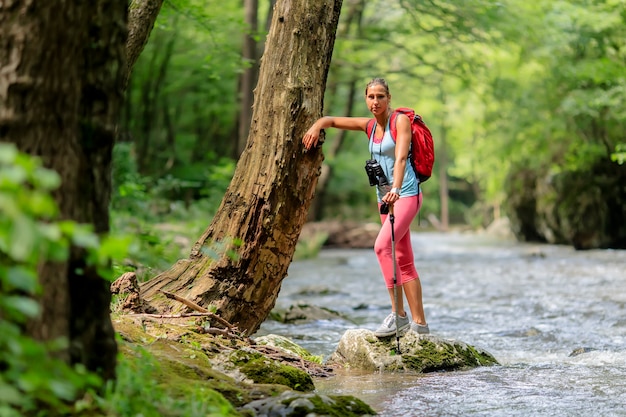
[422, 152]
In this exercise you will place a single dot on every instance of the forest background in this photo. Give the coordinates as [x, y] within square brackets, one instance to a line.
[518, 96]
[502, 85]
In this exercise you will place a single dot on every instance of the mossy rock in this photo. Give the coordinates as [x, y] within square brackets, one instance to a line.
[186, 358]
[263, 370]
[288, 346]
[181, 365]
[360, 349]
[292, 404]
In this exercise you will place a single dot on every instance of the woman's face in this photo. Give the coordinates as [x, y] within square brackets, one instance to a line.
[377, 99]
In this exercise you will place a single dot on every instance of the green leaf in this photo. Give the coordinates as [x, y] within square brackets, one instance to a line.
[8, 395]
[8, 153]
[22, 240]
[24, 305]
[83, 237]
[46, 179]
[42, 205]
[12, 176]
[21, 278]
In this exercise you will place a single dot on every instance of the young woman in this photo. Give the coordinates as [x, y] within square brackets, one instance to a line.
[402, 193]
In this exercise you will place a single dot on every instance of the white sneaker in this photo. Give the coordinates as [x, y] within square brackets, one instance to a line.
[388, 328]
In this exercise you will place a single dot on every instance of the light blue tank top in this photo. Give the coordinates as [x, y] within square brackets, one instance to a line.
[385, 153]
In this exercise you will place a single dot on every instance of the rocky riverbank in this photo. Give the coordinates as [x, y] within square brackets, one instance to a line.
[269, 375]
[241, 371]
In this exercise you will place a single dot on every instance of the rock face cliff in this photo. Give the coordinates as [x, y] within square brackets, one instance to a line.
[583, 208]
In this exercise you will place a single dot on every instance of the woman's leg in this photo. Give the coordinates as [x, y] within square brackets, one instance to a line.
[410, 278]
[400, 307]
[408, 281]
[413, 291]
[405, 210]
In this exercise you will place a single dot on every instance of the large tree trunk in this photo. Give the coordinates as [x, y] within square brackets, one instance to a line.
[61, 87]
[266, 203]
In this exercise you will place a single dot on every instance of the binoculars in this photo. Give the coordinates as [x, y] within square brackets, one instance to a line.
[375, 173]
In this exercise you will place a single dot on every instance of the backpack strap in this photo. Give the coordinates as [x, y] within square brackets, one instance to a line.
[393, 119]
[410, 113]
[370, 126]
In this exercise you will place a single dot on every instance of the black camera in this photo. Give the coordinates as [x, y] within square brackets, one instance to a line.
[375, 173]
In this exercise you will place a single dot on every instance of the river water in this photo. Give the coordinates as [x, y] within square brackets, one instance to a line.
[529, 305]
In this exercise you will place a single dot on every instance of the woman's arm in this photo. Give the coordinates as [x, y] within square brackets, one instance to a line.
[311, 137]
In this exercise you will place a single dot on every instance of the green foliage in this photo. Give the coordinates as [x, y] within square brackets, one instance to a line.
[154, 246]
[156, 218]
[32, 380]
[181, 110]
[170, 196]
[619, 155]
[310, 248]
[500, 83]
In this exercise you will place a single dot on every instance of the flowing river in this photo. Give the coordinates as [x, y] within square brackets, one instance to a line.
[531, 306]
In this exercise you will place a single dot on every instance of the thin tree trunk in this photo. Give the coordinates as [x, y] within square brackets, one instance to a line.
[266, 204]
[147, 144]
[248, 78]
[352, 22]
[170, 136]
[142, 15]
[442, 163]
[316, 212]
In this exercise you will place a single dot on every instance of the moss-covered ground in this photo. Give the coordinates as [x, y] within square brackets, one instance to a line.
[166, 364]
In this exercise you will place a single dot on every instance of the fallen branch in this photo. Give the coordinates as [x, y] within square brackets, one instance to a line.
[182, 315]
[186, 302]
[220, 332]
[172, 316]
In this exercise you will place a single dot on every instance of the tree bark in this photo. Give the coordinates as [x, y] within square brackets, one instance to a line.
[61, 88]
[266, 204]
[141, 19]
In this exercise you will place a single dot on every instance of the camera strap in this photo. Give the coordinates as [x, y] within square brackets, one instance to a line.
[380, 150]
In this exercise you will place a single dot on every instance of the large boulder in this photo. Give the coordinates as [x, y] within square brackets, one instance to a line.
[359, 349]
[583, 208]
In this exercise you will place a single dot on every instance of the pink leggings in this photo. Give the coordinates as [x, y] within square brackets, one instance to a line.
[405, 210]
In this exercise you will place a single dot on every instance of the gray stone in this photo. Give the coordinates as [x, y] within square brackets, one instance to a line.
[359, 349]
[283, 343]
[304, 313]
[292, 404]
